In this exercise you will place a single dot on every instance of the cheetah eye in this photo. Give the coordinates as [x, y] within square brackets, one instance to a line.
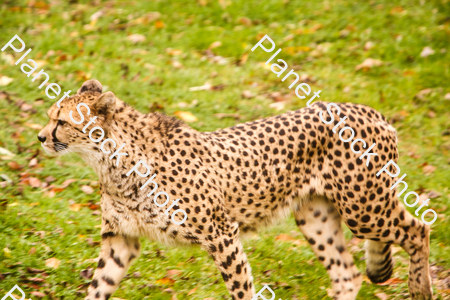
[62, 122]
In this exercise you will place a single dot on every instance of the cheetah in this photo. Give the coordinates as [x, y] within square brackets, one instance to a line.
[236, 180]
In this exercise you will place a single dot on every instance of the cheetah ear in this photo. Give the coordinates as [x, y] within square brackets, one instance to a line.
[105, 104]
[91, 85]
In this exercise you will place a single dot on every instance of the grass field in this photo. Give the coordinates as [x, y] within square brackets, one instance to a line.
[150, 53]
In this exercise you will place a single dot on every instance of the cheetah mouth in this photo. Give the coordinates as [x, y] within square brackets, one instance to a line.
[59, 147]
[56, 148]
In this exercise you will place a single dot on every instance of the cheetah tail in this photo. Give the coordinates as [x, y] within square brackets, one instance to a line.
[379, 262]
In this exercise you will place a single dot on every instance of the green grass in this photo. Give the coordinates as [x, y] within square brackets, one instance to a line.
[83, 49]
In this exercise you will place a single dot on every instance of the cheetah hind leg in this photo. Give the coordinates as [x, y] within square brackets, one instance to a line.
[320, 223]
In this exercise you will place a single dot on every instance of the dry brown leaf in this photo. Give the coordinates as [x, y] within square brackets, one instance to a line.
[34, 126]
[278, 105]
[368, 64]
[52, 263]
[433, 194]
[225, 115]
[38, 294]
[136, 38]
[14, 165]
[34, 182]
[247, 94]
[32, 250]
[192, 291]
[68, 182]
[392, 281]
[427, 51]
[382, 296]
[186, 116]
[75, 207]
[245, 21]
[428, 169]
[243, 59]
[421, 95]
[166, 281]
[397, 10]
[172, 273]
[215, 45]
[285, 238]
[33, 163]
[87, 189]
[4, 80]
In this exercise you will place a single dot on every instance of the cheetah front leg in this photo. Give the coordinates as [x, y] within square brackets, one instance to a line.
[230, 259]
[116, 255]
[320, 223]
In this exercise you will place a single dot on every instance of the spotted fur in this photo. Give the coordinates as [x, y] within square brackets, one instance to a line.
[238, 179]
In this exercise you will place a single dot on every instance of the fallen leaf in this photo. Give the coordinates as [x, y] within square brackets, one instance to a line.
[166, 281]
[49, 179]
[192, 291]
[247, 94]
[433, 194]
[68, 182]
[224, 115]
[38, 294]
[278, 105]
[75, 207]
[87, 189]
[285, 238]
[186, 116]
[245, 21]
[14, 165]
[52, 263]
[26, 107]
[427, 51]
[34, 182]
[431, 114]
[32, 250]
[136, 38]
[172, 273]
[204, 87]
[428, 169]
[369, 45]
[4, 151]
[369, 63]
[215, 45]
[421, 95]
[136, 274]
[34, 126]
[382, 296]
[33, 163]
[392, 281]
[34, 271]
[35, 279]
[177, 64]
[4, 80]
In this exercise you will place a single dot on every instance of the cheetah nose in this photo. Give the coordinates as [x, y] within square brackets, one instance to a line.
[41, 138]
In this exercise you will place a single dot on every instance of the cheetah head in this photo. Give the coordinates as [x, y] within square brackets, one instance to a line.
[64, 131]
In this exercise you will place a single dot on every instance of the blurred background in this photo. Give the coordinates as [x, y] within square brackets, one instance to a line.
[192, 60]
